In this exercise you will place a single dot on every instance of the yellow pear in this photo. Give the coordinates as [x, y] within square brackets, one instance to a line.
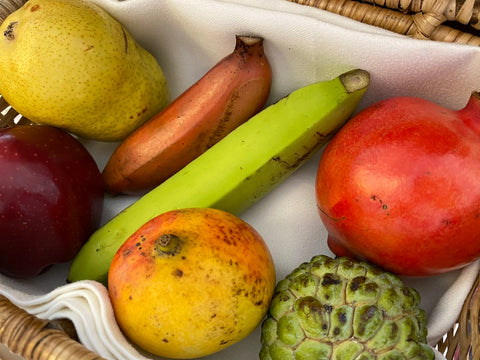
[69, 64]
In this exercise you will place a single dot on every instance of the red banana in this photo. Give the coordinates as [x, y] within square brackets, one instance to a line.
[231, 92]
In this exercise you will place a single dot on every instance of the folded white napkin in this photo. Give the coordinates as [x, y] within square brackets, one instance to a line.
[303, 45]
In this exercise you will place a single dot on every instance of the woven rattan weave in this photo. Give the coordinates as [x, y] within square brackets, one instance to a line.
[36, 339]
[439, 20]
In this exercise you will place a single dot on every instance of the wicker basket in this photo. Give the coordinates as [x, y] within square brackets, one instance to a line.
[36, 339]
[440, 20]
[437, 20]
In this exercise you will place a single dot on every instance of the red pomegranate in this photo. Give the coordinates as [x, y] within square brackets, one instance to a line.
[399, 186]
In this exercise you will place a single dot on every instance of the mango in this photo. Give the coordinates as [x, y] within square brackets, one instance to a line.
[191, 282]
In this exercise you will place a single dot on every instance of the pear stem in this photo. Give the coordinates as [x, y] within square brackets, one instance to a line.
[9, 33]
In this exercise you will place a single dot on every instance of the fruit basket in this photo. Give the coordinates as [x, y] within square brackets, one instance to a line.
[429, 52]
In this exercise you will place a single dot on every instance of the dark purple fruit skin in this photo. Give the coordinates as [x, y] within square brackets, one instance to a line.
[51, 198]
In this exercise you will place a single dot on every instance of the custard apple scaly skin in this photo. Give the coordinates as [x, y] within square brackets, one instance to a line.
[344, 309]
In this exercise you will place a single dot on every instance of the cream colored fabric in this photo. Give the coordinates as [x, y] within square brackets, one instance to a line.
[304, 45]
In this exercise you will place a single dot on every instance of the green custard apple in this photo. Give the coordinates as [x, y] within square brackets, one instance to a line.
[344, 309]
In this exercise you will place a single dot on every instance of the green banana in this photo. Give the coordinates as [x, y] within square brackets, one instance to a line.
[238, 170]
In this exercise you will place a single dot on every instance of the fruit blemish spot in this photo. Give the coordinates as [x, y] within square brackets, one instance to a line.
[178, 273]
